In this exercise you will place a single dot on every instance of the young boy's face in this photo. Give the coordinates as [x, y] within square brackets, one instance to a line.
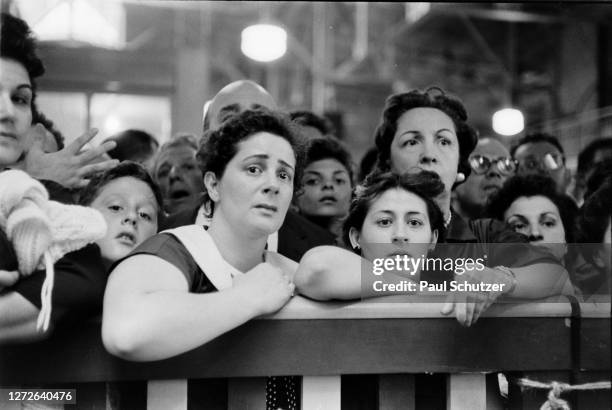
[130, 209]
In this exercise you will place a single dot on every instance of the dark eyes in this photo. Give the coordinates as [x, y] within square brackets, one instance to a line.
[415, 223]
[254, 170]
[165, 170]
[384, 222]
[257, 170]
[145, 216]
[284, 175]
[410, 142]
[444, 141]
[21, 99]
[317, 181]
[517, 226]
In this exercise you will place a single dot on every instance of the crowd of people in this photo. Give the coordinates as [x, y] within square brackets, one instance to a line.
[209, 231]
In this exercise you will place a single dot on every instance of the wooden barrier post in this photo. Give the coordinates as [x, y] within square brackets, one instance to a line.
[321, 393]
[466, 392]
[167, 395]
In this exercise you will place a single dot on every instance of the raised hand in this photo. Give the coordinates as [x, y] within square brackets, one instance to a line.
[70, 167]
[266, 287]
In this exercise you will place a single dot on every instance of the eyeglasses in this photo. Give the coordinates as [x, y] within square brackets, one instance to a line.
[550, 162]
[481, 165]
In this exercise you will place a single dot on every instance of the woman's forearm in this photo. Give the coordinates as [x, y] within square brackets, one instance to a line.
[329, 272]
[541, 280]
[163, 324]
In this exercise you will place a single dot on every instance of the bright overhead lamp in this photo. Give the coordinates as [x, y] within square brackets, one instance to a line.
[508, 121]
[264, 42]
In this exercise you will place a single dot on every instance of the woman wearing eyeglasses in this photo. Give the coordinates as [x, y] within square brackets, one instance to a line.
[491, 165]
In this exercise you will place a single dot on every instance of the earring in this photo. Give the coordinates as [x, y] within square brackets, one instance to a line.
[356, 247]
[460, 177]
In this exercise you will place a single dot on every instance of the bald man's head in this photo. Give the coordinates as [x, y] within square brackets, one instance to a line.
[234, 98]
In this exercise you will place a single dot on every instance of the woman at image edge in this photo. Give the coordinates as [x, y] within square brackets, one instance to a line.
[158, 303]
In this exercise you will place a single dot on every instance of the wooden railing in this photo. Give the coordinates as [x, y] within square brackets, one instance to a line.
[324, 340]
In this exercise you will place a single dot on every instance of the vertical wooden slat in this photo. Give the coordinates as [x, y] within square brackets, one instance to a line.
[321, 393]
[167, 395]
[396, 391]
[466, 392]
[246, 393]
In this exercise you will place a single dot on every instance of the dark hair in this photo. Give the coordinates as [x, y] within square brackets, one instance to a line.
[592, 221]
[124, 169]
[310, 119]
[329, 147]
[133, 145]
[218, 147]
[426, 184]
[586, 156]
[368, 163]
[17, 42]
[535, 137]
[529, 186]
[433, 97]
[39, 117]
[600, 173]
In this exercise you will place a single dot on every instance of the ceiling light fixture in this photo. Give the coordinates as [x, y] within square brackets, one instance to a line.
[264, 42]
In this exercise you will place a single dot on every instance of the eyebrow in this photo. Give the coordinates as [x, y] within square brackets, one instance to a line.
[27, 86]
[229, 108]
[419, 132]
[516, 216]
[266, 156]
[339, 171]
[388, 211]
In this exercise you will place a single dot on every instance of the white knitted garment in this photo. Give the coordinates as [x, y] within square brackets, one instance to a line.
[43, 231]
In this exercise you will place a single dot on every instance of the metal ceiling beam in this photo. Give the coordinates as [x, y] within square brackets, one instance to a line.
[484, 46]
[498, 14]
